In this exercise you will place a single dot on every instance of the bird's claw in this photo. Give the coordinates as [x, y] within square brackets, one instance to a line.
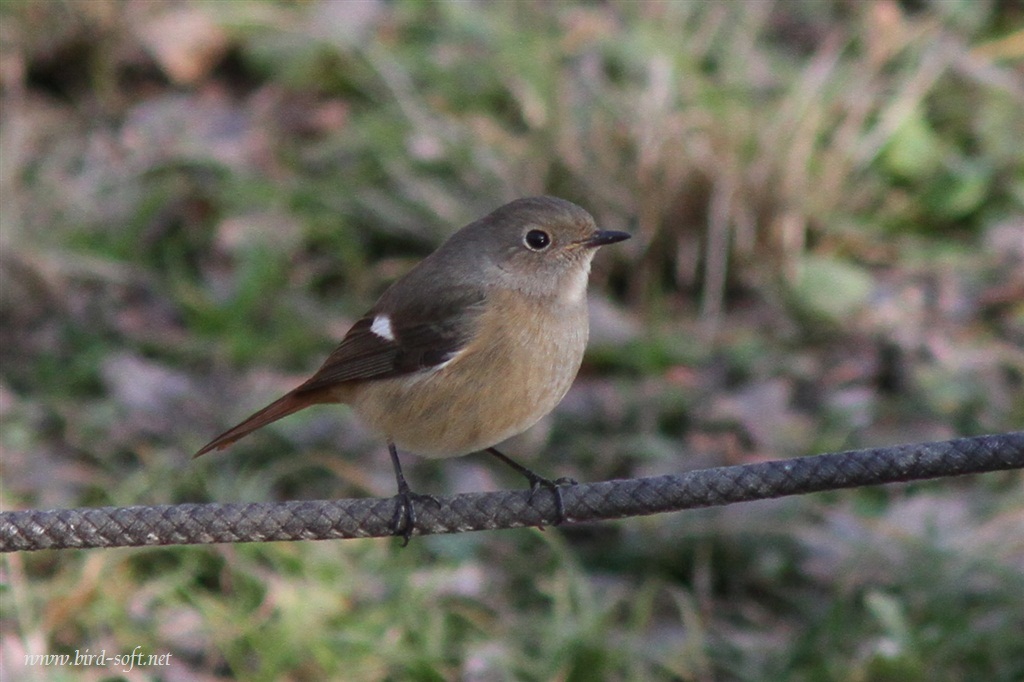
[403, 522]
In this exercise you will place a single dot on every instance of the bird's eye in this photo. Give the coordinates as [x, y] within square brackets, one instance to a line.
[538, 240]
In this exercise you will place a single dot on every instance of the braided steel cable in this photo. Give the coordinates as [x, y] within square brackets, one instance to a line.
[188, 524]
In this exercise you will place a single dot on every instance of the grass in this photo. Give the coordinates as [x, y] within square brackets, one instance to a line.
[827, 201]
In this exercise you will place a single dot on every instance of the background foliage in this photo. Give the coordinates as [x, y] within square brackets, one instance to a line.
[827, 197]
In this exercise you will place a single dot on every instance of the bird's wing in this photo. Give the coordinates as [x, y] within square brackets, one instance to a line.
[387, 343]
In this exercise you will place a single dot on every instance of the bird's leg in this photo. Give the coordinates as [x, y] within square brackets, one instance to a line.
[404, 521]
[537, 481]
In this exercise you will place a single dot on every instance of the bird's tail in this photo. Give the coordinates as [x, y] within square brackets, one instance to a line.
[282, 407]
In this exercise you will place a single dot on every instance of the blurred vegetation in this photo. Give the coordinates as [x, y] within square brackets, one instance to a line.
[827, 197]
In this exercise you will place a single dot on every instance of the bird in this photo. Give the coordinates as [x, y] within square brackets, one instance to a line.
[475, 344]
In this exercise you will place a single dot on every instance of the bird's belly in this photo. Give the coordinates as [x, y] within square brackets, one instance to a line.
[490, 392]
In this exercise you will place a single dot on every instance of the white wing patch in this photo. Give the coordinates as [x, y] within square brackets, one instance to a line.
[381, 326]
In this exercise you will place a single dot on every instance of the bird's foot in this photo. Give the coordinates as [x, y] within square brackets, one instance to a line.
[536, 481]
[403, 522]
[555, 486]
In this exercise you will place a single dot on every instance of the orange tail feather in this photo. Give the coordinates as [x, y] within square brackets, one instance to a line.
[282, 407]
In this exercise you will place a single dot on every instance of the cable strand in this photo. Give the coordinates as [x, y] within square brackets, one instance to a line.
[190, 524]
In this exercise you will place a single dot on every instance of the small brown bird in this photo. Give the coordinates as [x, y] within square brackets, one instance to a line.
[474, 345]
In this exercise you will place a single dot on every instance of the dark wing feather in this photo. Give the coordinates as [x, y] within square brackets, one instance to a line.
[424, 337]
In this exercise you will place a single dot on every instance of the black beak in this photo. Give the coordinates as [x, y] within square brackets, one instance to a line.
[605, 237]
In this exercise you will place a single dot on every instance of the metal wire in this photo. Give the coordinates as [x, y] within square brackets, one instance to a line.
[188, 524]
